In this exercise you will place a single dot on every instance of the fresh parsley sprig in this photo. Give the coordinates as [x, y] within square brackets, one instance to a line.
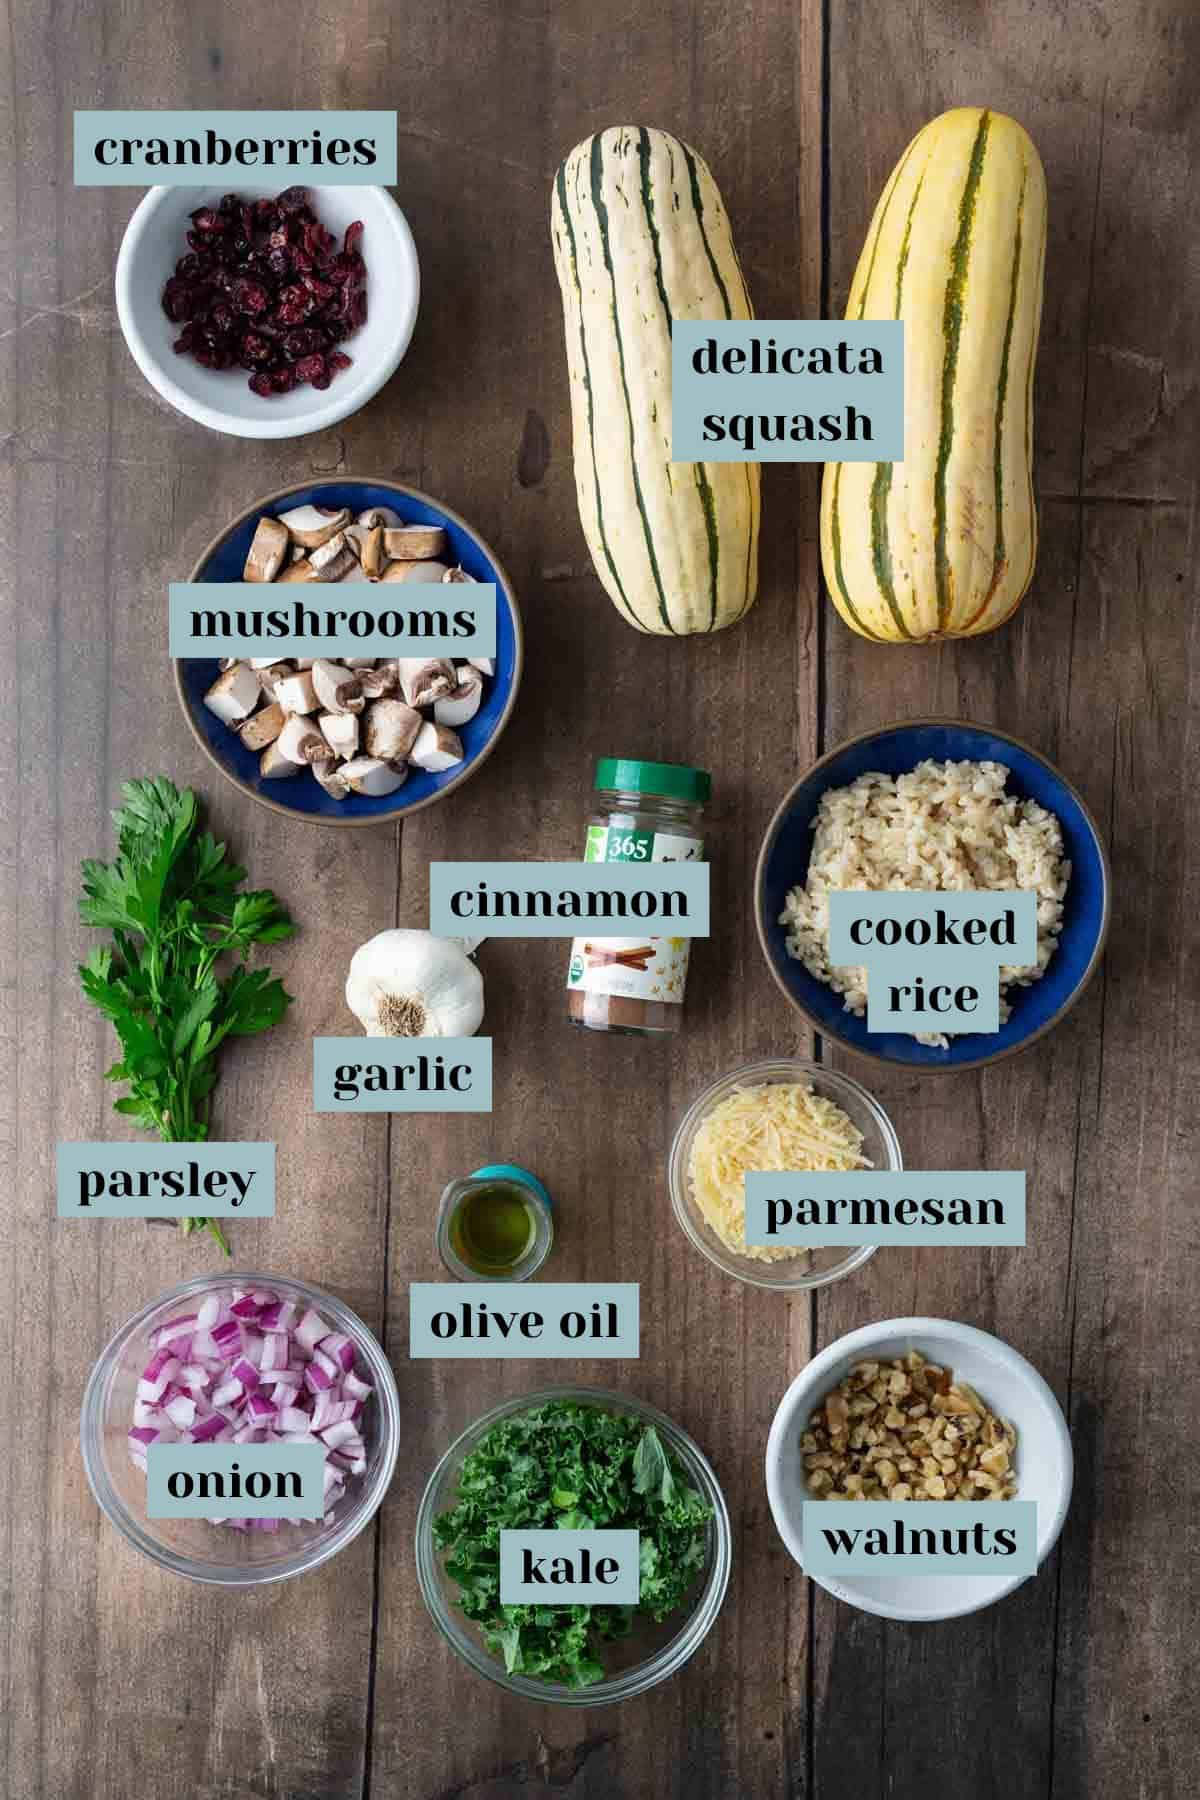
[171, 900]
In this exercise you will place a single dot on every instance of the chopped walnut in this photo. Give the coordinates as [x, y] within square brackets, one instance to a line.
[906, 1430]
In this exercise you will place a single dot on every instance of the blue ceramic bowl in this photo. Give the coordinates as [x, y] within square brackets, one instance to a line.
[305, 798]
[894, 750]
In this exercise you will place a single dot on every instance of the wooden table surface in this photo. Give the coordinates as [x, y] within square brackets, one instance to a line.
[121, 1681]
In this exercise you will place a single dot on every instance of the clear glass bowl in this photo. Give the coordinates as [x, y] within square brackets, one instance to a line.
[819, 1267]
[651, 1653]
[194, 1547]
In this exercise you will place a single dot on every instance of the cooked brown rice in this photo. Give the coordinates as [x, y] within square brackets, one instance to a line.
[948, 826]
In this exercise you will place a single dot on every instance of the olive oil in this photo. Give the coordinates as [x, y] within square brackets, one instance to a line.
[492, 1229]
[496, 1224]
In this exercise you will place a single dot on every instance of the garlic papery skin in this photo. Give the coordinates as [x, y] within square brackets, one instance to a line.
[414, 984]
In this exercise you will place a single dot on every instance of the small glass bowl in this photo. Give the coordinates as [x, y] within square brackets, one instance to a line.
[671, 1643]
[819, 1267]
[195, 1547]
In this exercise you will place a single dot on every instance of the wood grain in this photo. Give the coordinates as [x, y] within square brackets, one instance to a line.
[115, 1680]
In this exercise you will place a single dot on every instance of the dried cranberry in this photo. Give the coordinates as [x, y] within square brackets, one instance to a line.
[283, 380]
[179, 299]
[278, 263]
[321, 291]
[255, 350]
[339, 360]
[294, 306]
[261, 384]
[250, 296]
[205, 220]
[303, 341]
[292, 199]
[310, 368]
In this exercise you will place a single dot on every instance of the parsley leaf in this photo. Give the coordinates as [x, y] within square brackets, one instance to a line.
[171, 900]
[570, 1465]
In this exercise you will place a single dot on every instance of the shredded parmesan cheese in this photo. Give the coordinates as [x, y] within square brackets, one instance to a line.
[780, 1125]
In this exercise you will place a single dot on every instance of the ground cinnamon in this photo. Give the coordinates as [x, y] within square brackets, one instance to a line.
[647, 812]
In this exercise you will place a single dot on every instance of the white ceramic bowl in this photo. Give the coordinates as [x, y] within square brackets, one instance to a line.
[1008, 1384]
[155, 239]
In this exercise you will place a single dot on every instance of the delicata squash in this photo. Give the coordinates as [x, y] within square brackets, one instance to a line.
[943, 544]
[641, 238]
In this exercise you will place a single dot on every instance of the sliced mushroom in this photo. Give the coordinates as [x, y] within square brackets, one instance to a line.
[415, 543]
[301, 742]
[330, 777]
[234, 694]
[379, 515]
[296, 693]
[436, 748]
[485, 664]
[368, 775]
[300, 570]
[371, 553]
[424, 679]
[264, 662]
[273, 765]
[312, 526]
[262, 728]
[336, 686]
[458, 574]
[379, 682]
[459, 707]
[268, 547]
[340, 731]
[414, 571]
[391, 729]
[269, 678]
[334, 560]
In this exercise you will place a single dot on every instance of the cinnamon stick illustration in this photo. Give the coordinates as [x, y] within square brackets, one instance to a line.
[600, 958]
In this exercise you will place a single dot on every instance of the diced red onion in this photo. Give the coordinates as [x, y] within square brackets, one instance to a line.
[241, 1370]
[311, 1329]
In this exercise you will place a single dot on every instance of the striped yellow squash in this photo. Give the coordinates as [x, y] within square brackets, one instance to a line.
[943, 544]
[641, 238]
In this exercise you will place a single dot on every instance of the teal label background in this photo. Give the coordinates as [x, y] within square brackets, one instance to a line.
[974, 966]
[333, 1053]
[694, 395]
[691, 879]
[623, 1546]
[255, 1160]
[187, 598]
[1005, 1185]
[380, 127]
[305, 1460]
[552, 1300]
[822, 1516]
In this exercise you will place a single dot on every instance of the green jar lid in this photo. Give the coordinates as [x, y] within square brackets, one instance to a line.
[674, 781]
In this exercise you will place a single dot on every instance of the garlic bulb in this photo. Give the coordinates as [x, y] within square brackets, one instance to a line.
[413, 984]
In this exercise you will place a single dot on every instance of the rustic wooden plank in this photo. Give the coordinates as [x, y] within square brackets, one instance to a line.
[1103, 428]
[594, 1115]
[120, 1678]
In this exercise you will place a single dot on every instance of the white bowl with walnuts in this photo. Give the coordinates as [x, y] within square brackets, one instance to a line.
[919, 1409]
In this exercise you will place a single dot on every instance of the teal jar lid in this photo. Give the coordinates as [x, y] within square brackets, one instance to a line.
[513, 1172]
[673, 781]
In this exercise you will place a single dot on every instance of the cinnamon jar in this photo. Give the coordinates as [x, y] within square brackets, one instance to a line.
[645, 812]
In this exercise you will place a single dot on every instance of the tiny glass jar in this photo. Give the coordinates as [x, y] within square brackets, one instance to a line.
[477, 1238]
[645, 812]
